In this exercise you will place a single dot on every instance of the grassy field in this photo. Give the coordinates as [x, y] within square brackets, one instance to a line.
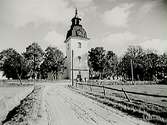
[9, 92]
[10, 96]
[148, 89]
[152, 109]
[152, 89]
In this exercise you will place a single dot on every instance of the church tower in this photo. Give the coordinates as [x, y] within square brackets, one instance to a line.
[77, 50]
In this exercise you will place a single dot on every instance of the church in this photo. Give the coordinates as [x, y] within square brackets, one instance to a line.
[76, 43]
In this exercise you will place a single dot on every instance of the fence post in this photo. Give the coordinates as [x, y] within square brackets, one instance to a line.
[104, 90]
[82, 85]
[90, 88]
[126, 95]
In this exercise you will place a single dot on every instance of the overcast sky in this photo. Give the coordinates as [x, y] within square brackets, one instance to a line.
[114, 24]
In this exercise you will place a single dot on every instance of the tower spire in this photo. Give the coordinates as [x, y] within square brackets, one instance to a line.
[76, 28]
[76, 12]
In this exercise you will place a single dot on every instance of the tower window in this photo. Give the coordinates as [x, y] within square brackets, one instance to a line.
[79, 45]
[68, 46]
[79, 58]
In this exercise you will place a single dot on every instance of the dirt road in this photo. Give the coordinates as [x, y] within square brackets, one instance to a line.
[65, 107]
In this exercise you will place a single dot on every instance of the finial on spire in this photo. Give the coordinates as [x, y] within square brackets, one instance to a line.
[76, 12]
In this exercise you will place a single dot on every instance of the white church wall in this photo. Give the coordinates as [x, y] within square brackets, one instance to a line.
[73, 44]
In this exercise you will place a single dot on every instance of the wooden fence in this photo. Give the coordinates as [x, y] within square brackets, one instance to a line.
[104, 88]
[121, 82]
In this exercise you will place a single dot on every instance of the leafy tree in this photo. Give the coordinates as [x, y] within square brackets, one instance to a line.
[96, 60]
[134, 54]
[162, 66]
[147, 65]
[14, 65]
[4, 55]
[111, 62]
[53, 62]
[150, 65]
[34, 56]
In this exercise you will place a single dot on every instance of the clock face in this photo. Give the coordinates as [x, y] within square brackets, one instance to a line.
[78, 32]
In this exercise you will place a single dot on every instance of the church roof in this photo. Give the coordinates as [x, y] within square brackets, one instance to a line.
[76, 29]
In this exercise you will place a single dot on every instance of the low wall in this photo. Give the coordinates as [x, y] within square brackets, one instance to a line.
[7, 104]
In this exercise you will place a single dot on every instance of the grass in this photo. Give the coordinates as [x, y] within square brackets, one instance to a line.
[142, 108]
[27, 111]
[10, 97]
[9, 92]
[148, 89]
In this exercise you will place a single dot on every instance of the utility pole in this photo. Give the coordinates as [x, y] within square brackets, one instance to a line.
[34, 64]
[131, 63]
[72, 67]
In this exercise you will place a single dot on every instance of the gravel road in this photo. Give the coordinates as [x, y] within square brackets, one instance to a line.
[66, 107]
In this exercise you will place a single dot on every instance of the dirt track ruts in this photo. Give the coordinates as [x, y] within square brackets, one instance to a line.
[65, 107]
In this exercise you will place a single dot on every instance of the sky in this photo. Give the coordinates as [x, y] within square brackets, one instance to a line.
[112, 24]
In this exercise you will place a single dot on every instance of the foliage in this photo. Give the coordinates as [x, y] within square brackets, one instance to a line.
[96, 59]
[53, 62]
[147, 65]
[34, 56]
[150, 66]
[4, 55]
[162, 66]
[103, 64]
[111, 62]
[134, 55]
[15, 65]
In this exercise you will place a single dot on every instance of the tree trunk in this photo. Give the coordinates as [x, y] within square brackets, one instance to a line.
[53, 74]
[19, 77]
[56, 75]
[101, 75]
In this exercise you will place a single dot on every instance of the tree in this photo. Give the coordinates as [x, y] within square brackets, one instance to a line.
[111, 62]
[4, 55]
[134, 54]
[150, 65]
[14, 65]
[96, 60]
[53, 62]
[162, 69]
[34, 56]
[162, 66]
